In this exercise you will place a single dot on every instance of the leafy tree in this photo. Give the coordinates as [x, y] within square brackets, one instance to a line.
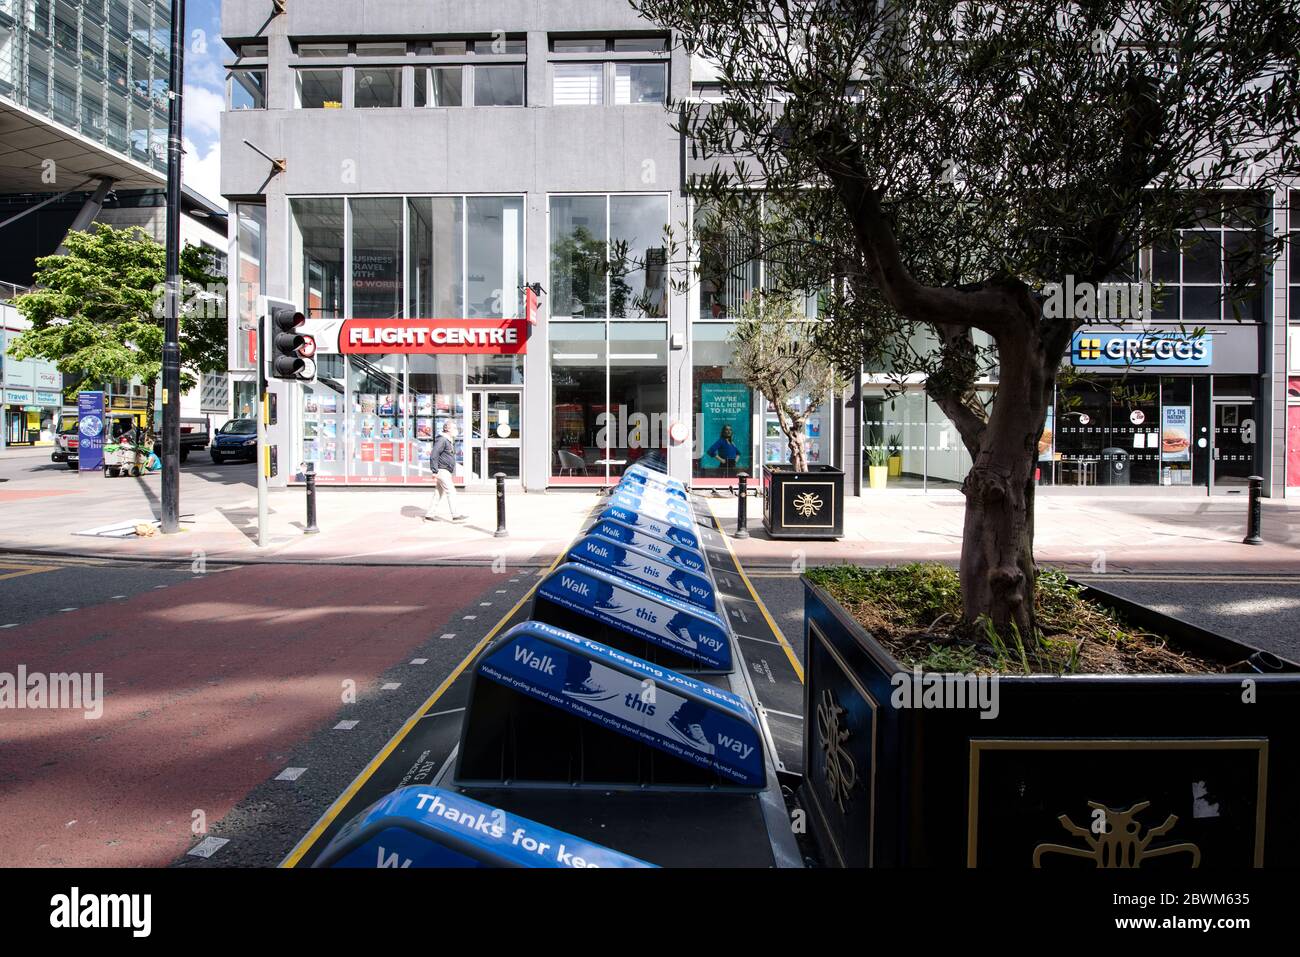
[776, 353]
[940, 164]
[97, 311]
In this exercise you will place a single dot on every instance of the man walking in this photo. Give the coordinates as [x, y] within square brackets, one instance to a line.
[443, 462]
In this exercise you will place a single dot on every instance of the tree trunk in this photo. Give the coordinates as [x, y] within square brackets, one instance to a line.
[793, 429]
[997, 557]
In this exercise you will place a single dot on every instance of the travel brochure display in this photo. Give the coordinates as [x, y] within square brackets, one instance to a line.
[687, 718]
[320, 426]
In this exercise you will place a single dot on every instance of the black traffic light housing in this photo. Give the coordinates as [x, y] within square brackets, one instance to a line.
[291, 351]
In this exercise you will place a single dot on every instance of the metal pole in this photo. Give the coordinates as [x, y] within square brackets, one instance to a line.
[501, 505]
[171, 357]
[311, 528]
[1255, 515]
[742, 507]
[261, 431]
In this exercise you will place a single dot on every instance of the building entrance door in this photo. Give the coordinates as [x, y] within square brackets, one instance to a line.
[1234, 445]
[494, 440]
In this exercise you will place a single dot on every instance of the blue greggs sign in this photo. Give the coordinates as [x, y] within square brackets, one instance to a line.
[689, 719]
[1140, 349]
[422, 826]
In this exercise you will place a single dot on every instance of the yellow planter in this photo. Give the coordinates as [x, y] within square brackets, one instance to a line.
[877, 475]
[895, 466]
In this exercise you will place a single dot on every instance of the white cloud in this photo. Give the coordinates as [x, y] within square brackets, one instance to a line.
[203, 108]
[201, 171]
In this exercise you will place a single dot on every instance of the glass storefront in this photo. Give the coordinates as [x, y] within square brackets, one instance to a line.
[920, 445]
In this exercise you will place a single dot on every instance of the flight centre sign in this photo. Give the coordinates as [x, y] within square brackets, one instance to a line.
[434, 336]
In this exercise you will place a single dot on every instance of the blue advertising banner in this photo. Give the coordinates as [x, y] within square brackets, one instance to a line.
[627, 535]
[90, 431]
[633, 608]
[654, 508]
[1140, 349]
[421, 826]
[644, 476]
[670, 531]
[690, 719]
[638, 566]
[725, 417]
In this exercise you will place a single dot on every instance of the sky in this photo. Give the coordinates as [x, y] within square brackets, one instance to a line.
[204, 98]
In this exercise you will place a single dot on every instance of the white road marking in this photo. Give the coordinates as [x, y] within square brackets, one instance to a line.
[485, 604]
[291, 774]
[207, 847]
[346, 725]
[419, 661]
[450, 635]
[67, 609]
[10, 625]
[469, 617]
[391, 686]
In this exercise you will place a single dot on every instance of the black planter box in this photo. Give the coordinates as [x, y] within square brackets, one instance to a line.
[808, 504]
[1174, 771]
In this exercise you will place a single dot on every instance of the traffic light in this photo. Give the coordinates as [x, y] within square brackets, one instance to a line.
[291, 351]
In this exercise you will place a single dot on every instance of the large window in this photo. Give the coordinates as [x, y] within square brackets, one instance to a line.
[722, 404]
[317, 260]
[591, 71]
[609, 397]
[437, 265]
[377, 87]
[1192, 275]
[250, 276]
[608, 257]
[494, 244]
[376, 258]
[320, 89]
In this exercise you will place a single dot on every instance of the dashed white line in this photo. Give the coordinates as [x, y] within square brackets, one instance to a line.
[291, 774]
[419, 661]
[123, 596]
[10, 625]
[67, 609]
[469, 617]
[450, 635]
[485, 604]
[390, 686]
[346, 725]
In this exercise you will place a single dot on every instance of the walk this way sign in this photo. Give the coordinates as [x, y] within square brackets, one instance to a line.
[636, 565]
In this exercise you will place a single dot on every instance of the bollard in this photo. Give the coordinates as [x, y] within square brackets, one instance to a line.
[311, 528]
[501, 505]
[1255, 515]
[742, 509]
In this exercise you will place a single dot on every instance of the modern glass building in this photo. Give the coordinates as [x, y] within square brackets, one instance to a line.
[403, 170]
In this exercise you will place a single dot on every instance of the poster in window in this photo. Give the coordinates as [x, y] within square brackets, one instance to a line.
[1048, 437]
[328, 403]
[387, 405]
[724, 429]
[424, 404]
[1176, 433]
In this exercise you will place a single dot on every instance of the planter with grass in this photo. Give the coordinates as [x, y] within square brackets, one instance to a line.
[895, 455]
[1120, 737]
[805, 503]
[877, 468]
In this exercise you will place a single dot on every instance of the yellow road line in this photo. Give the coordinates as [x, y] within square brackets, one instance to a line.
[310, 838]
[789, 652]
[26, 570]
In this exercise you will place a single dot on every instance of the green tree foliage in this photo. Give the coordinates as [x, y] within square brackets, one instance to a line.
[97, 312]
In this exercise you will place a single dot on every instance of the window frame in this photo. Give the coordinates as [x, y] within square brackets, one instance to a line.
[609, 59]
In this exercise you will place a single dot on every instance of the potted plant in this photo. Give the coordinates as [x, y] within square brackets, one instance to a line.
[775, 352]
[877, 468]
[1115, 737]
[895, 455]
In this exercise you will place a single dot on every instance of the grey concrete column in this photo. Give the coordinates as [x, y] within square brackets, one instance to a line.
[89, 210]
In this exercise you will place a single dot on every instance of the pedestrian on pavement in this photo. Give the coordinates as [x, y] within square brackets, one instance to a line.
[443, 462]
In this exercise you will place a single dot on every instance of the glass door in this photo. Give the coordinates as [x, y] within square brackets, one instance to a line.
[1234, 445]
[494, 440]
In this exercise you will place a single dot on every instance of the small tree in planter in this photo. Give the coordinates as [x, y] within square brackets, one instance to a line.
[776, 353]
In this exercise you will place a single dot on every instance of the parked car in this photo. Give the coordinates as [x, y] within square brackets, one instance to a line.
[237, 439]
[194, 437]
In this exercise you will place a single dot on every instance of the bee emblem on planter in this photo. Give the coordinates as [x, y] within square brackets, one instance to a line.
[808, 504]
[841, 771]
[1117, 842]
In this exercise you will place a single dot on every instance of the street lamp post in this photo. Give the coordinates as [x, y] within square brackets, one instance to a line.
[171, 358]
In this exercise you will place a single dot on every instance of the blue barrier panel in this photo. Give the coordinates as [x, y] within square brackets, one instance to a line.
[421, 826]
[669, 531]
[678, 515]
[645, 476]
[692, 720]
[666, 550]
[652, 511]
[647, 493]
[634, 609]
[645, 568]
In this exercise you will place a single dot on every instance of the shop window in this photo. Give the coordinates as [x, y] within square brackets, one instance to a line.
[320, 89]
[637, 420]
[436, 245]
[494, 256]
[325, 417]
[436, 393]
[376, 258]
[608, 256]
[729, 270]
[317, 258]
[1108, 433]
[250, 277]
[638, 281]
[896, 425]
[378, 419]
[578, 255]
[377, 88]
[578, 400]
[722, 406]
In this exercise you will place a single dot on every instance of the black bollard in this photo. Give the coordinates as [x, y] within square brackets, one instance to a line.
[311, 528]
[742, 508]
[1255, 515]
[501, 505]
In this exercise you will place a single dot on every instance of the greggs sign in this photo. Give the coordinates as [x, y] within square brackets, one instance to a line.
[441, 336]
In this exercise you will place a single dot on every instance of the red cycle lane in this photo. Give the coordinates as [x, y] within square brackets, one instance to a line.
[208, 684]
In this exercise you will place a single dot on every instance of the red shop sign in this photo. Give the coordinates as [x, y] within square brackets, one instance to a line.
[441, 336]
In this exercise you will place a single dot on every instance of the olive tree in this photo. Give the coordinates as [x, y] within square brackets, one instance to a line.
[945, 167]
